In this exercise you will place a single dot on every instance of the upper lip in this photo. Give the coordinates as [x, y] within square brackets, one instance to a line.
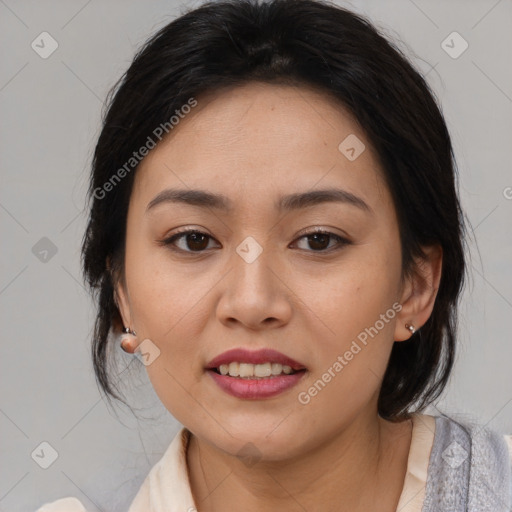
[241, 355]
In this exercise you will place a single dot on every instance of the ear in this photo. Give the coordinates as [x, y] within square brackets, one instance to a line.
[419, 292]
[121, 297]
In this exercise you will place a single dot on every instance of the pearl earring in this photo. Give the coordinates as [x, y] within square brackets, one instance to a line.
[127, 340]
[411, 328]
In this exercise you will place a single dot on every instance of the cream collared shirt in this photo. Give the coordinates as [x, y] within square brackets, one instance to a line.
[167, 488]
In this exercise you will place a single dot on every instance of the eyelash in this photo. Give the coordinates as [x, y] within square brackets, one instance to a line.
[169, 242]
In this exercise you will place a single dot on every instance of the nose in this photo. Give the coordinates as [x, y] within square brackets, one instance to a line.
[254, 294]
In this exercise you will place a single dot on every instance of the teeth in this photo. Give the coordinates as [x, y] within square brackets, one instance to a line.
[276, 368]
[263, 370]
[234, 369]
[248, 370]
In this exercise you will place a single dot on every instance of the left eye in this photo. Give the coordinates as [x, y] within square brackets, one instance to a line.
[319, 241]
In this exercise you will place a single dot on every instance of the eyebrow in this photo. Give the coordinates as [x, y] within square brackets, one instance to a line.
[296, 201]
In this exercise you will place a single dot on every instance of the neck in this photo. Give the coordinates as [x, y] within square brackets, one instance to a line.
[361, 467]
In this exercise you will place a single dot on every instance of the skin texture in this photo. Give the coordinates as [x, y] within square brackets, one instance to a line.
[305, 299]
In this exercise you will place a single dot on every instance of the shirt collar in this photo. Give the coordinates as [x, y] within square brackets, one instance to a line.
[167, 486]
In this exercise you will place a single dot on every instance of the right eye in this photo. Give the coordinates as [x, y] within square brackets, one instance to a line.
[192, 241]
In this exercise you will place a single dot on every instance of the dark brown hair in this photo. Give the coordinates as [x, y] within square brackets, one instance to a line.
[301, 43]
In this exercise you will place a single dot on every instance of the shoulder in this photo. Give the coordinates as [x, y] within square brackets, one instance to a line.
[63, 505]
[481, 442]
[470, 465]
[168, 477]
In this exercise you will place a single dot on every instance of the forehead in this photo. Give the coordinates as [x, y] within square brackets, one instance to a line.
[262, 139]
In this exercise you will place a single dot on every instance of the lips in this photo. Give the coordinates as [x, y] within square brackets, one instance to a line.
[289, 373]
[261, 356]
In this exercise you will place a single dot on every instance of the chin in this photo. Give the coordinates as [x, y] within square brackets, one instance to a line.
[254, 441]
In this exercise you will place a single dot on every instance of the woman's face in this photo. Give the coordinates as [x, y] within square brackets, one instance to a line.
[253, 279]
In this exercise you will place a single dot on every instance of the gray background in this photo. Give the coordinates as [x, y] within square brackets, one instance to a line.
[50, 111]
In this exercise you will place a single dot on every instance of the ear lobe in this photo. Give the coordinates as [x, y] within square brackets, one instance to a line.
[419, 292]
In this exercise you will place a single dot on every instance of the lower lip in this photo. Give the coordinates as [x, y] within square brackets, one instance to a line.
[255, 389]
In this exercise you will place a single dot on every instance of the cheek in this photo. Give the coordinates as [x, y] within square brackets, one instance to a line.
[353, 324]
[351, 359]
[169, 309]
[173, 320]
[352, 294]
[161, 293]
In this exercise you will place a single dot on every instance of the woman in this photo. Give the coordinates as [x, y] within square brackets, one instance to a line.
[275, 230]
